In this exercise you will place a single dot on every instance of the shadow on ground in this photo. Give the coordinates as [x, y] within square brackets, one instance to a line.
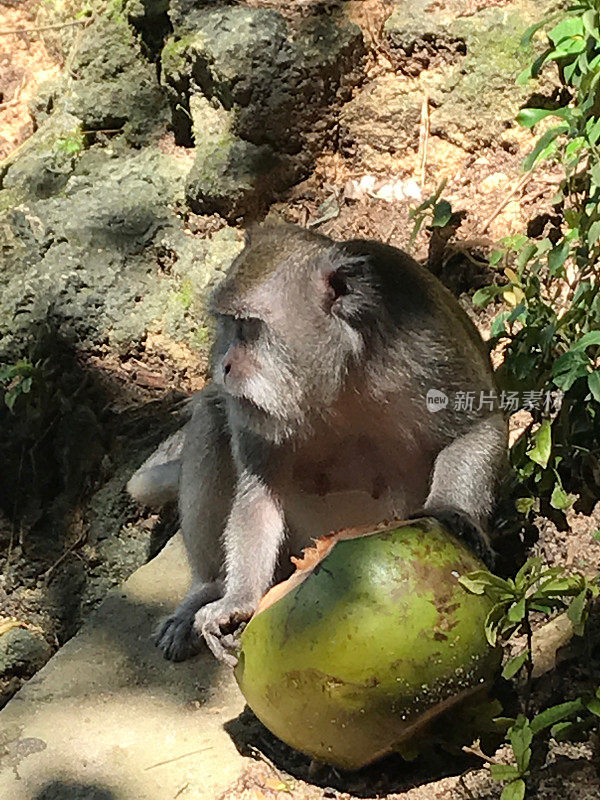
[388, 775]
[65, 790]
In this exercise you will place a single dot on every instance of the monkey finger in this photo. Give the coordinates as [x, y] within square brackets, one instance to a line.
[213, 640]
[231, 641]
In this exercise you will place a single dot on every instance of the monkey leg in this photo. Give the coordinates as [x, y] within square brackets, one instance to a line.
[156, 481]
[464, 483]
[206, 488]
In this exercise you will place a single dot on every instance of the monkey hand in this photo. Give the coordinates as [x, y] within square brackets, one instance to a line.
[461, 524]
[220, 624]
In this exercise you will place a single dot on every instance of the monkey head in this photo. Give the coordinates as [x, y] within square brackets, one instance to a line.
[290, 314]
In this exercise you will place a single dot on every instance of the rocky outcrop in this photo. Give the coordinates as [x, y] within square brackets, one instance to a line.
[270, 98]
[476, 58]
[93, 199]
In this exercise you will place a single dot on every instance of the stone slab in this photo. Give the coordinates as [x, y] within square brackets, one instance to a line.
[108, 718]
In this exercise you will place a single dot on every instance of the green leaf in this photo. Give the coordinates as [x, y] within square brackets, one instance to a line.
[540, 452]
[566, 29]
[593, 131]
[491, 580]
[594, 385]
[590, 22]
[569, 367]
[472, 586]
[557, 257]
[593, 705]
[493, 620]
[528, 573]
[525, 255]
[514, 790]
[529, 33]
[504, 772]
[514, 665]
[525, 504]
[485, 295]
[593, 234]
[561, 731]
[518, 313]
[567, 585]
[550, 716]
[577, 610]
[544, 146]
[498, 325]
[593, 337]
[520, 737]
[560, 499]
[518, 610]
[596, 535]
[442, 213]
[528, 117]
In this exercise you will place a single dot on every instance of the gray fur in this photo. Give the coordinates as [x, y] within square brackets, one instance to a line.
[317, 420]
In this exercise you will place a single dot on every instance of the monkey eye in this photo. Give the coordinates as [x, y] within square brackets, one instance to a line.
[248, 329]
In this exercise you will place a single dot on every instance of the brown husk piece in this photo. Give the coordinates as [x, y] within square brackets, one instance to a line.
[311, 556]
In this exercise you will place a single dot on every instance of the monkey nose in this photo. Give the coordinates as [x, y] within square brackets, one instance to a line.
[227, 368]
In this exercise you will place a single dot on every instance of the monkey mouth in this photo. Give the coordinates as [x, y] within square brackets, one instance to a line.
[251, 405]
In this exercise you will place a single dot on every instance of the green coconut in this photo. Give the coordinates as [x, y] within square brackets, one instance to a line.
[371, 639]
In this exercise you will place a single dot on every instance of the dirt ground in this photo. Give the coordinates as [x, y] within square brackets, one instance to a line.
[488, 186]
[25, 64]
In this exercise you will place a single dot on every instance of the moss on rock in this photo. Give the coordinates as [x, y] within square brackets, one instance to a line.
[474, 95]
[47, 159]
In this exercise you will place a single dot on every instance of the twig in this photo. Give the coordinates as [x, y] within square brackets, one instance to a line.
[15, 99]
[388, 237]
[521, 183]
[58, 562]
[424, 138]
[42, 28]
[477, 751]
[101, 130]
[529, 661]
[177, 758]
[13, 154]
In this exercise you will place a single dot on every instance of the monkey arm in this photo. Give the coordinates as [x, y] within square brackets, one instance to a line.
[252, 540]
[464, 482]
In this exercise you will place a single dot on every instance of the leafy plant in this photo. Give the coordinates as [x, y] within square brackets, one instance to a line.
[16, 380]
[535, 587]
[434, 211]
[551, 331]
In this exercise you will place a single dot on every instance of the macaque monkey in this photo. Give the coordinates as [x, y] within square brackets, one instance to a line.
[317, 419]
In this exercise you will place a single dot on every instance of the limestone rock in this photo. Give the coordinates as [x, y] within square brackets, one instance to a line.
[274, 93]
[48, 158]
[22, 651]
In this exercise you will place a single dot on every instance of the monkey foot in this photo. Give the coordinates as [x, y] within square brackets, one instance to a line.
[177, 638]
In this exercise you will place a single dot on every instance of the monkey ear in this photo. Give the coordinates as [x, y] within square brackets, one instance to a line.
[337, 288]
